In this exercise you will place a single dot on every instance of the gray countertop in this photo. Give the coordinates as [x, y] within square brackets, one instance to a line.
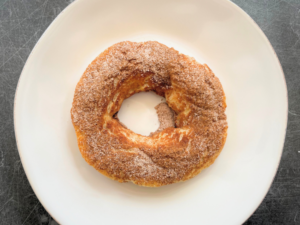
[22, 22]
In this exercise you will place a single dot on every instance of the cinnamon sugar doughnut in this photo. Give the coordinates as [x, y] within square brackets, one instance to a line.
[172, 155]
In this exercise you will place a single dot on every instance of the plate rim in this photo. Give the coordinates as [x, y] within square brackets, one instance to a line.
[72, 4]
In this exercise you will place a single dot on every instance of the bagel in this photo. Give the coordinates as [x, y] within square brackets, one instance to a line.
[172, 155]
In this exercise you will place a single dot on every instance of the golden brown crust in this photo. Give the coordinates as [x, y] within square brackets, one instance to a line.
[172, 155]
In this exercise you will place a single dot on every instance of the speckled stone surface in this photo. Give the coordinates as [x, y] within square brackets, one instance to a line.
[22, 22]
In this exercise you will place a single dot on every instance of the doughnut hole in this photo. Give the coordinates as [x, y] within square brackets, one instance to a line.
[138, 113]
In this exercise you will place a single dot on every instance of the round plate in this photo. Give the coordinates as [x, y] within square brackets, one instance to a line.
[216, 32]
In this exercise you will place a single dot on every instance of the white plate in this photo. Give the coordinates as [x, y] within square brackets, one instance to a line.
[213, 31]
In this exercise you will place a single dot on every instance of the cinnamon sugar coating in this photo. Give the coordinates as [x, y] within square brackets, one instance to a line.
[165, 116]
[172, 155]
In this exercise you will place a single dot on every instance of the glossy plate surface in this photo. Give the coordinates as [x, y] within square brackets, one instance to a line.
[216, 32]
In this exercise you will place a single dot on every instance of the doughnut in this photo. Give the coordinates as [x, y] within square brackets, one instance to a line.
[168, 156]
